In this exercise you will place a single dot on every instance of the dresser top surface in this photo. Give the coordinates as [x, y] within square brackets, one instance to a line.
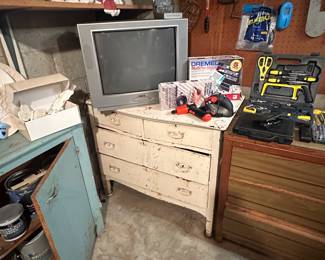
[153, 112]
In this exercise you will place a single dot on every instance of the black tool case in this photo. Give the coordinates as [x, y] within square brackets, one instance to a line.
[282, 97]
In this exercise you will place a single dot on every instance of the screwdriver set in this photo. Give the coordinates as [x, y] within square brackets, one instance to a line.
[282, 97]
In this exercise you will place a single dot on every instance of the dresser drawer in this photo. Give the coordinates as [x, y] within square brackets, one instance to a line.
[278, 199]
[273, 236]
[125, 172]
[279, 166]
[178, 162]
[182, 190]
[119, 121]
[178, 134]
[121, 146]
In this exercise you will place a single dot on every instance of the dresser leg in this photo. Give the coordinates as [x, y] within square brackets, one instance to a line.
[208, 228]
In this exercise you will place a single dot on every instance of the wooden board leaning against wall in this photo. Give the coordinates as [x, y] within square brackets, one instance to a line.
[224, 28]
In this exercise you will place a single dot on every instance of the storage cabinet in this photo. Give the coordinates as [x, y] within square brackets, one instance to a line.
[169, 157]
[65, 200]
[272, 197]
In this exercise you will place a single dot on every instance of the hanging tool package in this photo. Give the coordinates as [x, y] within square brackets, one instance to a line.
[282, 98]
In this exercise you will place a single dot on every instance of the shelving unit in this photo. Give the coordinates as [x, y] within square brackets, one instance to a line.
[7, 247]
[43, 5]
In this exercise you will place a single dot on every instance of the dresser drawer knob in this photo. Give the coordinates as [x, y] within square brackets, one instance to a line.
[176, 135]
[115, 120]
[181, 167]
[109, 145]
[184, 192]
[115, 169]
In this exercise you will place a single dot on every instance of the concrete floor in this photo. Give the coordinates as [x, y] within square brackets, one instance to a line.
[140, 227]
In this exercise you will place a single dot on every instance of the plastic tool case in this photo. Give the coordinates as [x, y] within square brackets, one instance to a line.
[282, 97]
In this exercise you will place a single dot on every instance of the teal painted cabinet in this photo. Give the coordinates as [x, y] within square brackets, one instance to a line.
[66, 200]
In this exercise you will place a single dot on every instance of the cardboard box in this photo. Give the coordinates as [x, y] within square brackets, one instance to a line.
[39, 93]
[234, 93]
[193, 90]
[202, 68]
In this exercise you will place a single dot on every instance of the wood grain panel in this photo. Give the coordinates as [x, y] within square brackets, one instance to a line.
[281, 228]
[268, 242]
[277, 199]
[224, 30]
[283, 167]
[277, 214]
[279, 182]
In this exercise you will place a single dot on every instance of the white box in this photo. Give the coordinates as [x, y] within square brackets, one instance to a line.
[194, 91]
[40, 93]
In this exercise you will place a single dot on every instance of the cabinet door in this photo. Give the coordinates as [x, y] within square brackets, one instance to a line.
[62, 204]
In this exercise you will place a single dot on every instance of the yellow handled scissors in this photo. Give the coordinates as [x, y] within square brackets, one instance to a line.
[264, 64]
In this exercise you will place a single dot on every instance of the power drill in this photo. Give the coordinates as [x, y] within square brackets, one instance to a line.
[192, 109]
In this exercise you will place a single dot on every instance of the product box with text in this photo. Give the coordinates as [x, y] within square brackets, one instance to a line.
[206, 67]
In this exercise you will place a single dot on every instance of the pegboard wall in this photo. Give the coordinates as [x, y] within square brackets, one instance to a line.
[224, 28]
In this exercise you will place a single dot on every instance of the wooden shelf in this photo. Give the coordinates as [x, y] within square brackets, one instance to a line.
[7, 247]
[43, 5]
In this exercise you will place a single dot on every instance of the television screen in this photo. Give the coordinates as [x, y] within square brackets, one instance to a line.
[135, 60]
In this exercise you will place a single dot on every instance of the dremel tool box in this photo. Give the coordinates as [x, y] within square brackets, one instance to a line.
[282, 98]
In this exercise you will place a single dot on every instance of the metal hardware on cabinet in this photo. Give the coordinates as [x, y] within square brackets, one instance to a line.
[176, 135]
[182, 167]
[53, 195]
[115, 121]
[114, 169]
[109, 145]
[184, 192]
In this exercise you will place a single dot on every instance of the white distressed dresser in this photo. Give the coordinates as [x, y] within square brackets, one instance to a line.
[169, 157]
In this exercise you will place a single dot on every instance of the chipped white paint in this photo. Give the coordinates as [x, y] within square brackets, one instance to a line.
[169, 157]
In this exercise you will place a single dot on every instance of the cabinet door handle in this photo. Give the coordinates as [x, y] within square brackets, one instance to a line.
[53, 195]
[109, 145]
[176, 135]
[115, 169]
[115, 120]
[184, 192]
[181, 167]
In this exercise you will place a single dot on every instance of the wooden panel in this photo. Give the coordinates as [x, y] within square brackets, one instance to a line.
[278, 182]
[61, 201]
[118, 121]
[267, 242]
[125, 172]
[224, 29]
[292, 218]
[278, 199]
[279, 166]
[182, 190]
[182, 163]
[178, 134]
[121, 146]
[281, 228]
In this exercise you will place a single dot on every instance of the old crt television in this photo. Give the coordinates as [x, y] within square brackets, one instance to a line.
[125, 61]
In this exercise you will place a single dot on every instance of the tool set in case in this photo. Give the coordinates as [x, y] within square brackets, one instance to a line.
[282, 97]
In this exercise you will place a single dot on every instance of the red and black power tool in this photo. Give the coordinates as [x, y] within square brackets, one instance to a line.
[194, 110]
[214, 106]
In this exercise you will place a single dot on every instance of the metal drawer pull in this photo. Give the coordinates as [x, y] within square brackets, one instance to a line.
[114, 169]
[184, 192]
[176, 135]
[181, 167]
[115, 120]
[109, 145]
[53, 195]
